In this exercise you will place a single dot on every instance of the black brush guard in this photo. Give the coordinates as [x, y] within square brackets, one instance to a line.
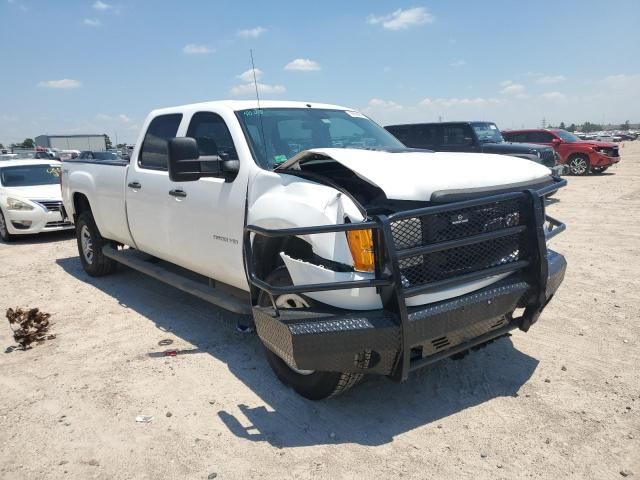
[399, 339]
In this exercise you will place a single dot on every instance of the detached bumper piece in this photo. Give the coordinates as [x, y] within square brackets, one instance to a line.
[420, 252]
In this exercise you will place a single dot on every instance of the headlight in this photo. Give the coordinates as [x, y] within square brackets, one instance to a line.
[15, 204]
[361, 247]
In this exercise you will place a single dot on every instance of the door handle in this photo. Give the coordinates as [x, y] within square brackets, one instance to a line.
[178, 193]
[135, 185]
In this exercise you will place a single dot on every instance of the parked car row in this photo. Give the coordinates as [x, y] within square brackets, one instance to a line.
[472, 137]
[581, 156]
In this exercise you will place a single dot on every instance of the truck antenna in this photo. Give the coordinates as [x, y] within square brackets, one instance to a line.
[255, 83]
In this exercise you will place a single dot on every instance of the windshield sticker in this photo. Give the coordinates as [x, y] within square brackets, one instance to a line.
[325, 120]
[353, 113]
[251, 113]
[493, 127]
[280, 158]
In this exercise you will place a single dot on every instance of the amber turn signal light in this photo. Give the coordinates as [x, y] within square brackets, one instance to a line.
[361, 247]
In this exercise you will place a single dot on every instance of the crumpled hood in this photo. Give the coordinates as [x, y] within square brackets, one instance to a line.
[416, 175]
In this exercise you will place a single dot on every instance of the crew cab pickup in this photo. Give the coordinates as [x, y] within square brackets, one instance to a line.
[581, 156]
[351, 253]
[481, 137]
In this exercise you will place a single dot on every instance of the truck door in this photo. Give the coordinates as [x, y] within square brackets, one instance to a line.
[147, 188]
[207, 216]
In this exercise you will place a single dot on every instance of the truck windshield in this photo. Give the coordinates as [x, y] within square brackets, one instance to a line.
[487, 132]
[567, 136]
[29, 175]
[277, 134]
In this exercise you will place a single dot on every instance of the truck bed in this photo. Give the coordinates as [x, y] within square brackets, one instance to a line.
[104, 187]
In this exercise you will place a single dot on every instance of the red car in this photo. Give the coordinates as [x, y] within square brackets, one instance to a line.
[581, 156]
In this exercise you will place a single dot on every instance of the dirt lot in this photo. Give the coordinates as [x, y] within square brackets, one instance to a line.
[562, 401]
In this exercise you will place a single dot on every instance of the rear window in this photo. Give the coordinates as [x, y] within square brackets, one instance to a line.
[154, 151]
[29, 175]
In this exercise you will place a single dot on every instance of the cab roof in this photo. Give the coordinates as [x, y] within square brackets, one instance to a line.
[236, 105]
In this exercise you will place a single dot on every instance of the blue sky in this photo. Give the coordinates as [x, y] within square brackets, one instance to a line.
[101, 65]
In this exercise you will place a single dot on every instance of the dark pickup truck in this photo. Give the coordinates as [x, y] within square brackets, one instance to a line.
[479, 137]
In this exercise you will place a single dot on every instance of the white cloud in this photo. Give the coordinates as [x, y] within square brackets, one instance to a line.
[302, 65]
[510, 88]
[92, 22]
[100, 5]
[248, 75]
[379, 104]
[454, 102]
[121, 118]
[250, 89]
[622, 81]
[554, 96]
[549, 79]
[64, 83]
[195, 49]
[402, 19]
[251, 32]
[457, 63]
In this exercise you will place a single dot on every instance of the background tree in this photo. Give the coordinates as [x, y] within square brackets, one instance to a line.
[572, 128]
[107, 140]
[1, 145]
[28, 143]
[591, 127]
[625, 126]
[562, 126]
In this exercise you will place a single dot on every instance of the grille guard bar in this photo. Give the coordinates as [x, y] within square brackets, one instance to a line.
[538, 227]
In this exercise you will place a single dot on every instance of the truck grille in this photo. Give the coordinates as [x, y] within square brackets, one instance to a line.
[548, 157]
[451, 225]
[51, 205]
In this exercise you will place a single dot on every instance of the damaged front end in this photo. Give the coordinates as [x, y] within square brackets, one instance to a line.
[494, 262]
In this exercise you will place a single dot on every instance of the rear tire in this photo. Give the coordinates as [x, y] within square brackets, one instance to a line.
[5, 236]
[579, 165]
[310, 384]
[90, 244]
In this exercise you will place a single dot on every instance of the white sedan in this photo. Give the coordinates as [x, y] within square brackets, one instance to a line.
[30, 198]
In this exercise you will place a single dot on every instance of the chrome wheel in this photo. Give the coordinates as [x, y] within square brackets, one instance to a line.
[579, 166]
[291, 300]
[87, 244]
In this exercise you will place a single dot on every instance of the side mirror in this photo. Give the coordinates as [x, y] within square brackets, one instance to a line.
[556, 141]
[184, 160]
[186, 164]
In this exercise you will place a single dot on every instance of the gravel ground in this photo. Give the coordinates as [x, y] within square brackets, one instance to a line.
[562, 401]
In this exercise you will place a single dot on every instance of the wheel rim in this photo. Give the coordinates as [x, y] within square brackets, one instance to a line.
[579, 166]
[3, 226]
[87, 244]
[293, 301]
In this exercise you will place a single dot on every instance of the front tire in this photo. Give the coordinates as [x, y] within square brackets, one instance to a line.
[310, 384]
[90, 244]
[579, 165]
[5, 236]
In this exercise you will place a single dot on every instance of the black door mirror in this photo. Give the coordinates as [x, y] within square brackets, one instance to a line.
[186, 164]
[184, 160]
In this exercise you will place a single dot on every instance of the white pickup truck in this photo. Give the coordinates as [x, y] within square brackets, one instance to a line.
[352, 253]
